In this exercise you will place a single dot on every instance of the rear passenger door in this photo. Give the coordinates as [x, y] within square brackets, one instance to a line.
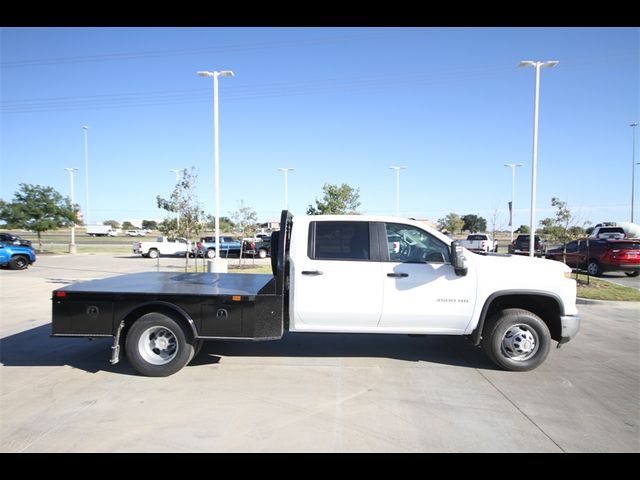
[337, 282]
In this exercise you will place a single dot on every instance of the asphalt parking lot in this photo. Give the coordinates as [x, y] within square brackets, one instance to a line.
[307, 392]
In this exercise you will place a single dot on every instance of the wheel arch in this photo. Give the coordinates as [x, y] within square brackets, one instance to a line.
[169, 309]
[548, 306]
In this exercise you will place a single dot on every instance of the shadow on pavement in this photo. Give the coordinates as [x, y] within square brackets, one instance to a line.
[36, 348]
[447, 350]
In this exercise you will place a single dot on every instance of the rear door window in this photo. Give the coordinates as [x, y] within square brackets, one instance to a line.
[339, 240]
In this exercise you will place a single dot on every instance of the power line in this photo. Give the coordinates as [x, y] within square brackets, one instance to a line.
[385, 79]
[133, 99]
[202, 50]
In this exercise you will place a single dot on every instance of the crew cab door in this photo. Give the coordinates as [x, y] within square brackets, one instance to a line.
[337, 284]
[421, 290]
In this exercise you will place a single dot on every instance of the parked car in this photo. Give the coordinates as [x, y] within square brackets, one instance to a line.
[16, 257]
[608, 231]
[11, 239]
[253, 247]
[207, 246]
[520, 246]
[597, 256]
[480, 242]
[162, 246]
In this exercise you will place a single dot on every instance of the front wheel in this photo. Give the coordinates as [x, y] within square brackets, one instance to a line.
[19, 262]
[516, 340]
[157, 346]
[632, 274]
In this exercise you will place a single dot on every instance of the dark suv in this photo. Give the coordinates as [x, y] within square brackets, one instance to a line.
[11, 239]
[599, 256]
[520, 246]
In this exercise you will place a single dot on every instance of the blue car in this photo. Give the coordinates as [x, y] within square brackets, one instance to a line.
[207, 246]
[16, 257]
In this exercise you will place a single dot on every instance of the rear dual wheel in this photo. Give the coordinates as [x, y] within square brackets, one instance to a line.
[157, 345]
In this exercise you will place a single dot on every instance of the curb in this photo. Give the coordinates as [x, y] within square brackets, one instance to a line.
[615, 303]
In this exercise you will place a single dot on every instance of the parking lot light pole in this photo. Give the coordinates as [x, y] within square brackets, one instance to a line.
[177, 172]
[217, 267]
[397, 169]
[633, 126]
[513, 191]
[286, 170]
[72, 245]
[534, 165]
[86, 174]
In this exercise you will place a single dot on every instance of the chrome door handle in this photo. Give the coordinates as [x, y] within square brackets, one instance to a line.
[397, 275]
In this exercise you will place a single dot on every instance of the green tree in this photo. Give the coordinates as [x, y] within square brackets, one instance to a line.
[38, 209]
[183, 202]
[226, 225]
[336, 200]
[452, 223]
[523, 229]
[245, 219]
[563, 227]
[474, 223]
[112, 223]
[149, 224]
[127, 225]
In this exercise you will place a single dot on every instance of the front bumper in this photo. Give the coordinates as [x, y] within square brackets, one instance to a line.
[570, 326]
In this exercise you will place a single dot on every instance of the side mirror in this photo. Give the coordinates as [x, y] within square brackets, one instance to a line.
[457, 259]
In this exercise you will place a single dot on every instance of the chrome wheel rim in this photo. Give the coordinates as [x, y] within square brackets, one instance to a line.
[520, 342]
[158, 345]
[592, 268]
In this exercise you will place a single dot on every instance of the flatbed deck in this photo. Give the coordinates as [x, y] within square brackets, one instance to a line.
[188, 284]
[215, 305]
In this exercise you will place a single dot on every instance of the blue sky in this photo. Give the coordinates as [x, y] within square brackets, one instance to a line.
[337, 104]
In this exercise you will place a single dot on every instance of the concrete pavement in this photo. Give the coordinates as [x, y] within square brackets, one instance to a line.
[308, 392]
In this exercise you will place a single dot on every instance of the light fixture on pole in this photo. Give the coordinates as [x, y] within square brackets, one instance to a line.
[397, 169]
[513, 192]
[72, 245]
[177, 172]
[634, 126]
[286, 170]
[534, 165]
[86, 175]
[216, 162]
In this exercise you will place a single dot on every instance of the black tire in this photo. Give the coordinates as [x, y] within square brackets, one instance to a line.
[632, 274]
[275, 237]
[593, 268]
[157, 346]
[18, 262]
[516, 340]
[211, 253]
[262, 253]
[153, 253]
